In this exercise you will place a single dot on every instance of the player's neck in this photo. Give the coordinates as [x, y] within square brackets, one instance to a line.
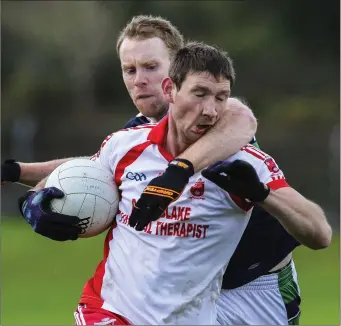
[174, 143]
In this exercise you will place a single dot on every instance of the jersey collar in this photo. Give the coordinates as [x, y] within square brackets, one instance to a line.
[159, 132]
[148, 118]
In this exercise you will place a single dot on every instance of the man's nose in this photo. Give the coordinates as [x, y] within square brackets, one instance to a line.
[140, 78]
[210, 110]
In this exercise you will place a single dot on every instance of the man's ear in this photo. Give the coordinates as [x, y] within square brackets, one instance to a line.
[167, 88]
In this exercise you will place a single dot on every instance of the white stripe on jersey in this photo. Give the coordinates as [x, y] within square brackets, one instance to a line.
[277, 177]
[81, 316]
[78, 322]
[255, 151]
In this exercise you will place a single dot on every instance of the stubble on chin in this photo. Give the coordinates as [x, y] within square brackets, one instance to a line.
[161, 111]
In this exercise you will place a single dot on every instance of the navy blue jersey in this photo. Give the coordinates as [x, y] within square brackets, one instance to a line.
[136, 121]
[264, 244]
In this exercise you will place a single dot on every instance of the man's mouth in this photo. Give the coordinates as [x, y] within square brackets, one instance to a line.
[144, 96]
[201, 128]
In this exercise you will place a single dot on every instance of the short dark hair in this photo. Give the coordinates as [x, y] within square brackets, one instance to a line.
[199, 57]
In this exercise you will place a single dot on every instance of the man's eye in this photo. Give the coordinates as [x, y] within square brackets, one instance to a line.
[129, 71]
[200, 94]
[151, 67]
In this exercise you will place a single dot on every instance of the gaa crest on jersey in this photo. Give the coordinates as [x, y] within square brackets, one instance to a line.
[198, 189]
[271, 164]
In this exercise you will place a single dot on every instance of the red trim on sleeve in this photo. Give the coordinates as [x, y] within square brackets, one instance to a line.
[93, 157]
[241, 203]
[276, 184]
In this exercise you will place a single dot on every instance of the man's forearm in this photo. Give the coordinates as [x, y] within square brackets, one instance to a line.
[303, 219]
[32, 173]
[232, 131]
[41, 184]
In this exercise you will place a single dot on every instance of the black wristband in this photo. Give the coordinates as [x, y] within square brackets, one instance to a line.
[11, 171]
[184, 165]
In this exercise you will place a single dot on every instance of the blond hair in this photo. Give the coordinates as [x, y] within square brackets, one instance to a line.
[144, 27]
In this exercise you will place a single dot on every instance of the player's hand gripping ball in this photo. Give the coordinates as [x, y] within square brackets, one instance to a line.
[35, 207]
[80, 199]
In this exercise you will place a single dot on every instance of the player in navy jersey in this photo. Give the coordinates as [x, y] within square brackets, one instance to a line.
[143, 73]
[137, 121]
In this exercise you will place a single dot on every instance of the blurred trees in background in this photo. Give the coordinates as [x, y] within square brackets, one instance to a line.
[62, 91]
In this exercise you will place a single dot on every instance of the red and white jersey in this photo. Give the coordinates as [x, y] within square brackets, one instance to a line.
[171, 272]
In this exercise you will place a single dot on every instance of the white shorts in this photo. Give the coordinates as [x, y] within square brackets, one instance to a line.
[272, 299]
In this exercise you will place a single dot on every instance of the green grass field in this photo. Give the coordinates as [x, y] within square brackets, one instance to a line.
[42, 280]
